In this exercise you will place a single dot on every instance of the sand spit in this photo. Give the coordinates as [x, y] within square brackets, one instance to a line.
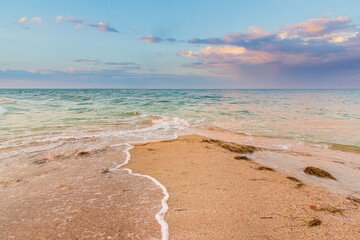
[214, 190]
[215, 196]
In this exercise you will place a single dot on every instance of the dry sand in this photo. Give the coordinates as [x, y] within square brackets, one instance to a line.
[214, 196]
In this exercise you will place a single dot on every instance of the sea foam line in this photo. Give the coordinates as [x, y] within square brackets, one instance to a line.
[160, 216]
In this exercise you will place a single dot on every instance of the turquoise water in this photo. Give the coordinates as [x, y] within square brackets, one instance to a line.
[28, 116]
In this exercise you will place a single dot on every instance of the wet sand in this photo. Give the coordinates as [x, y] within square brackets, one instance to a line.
[76, 197]
[214, 196]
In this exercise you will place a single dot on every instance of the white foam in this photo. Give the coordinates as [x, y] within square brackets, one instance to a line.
[283, 147]
[160, 216]
[161, 130]
[2, 110]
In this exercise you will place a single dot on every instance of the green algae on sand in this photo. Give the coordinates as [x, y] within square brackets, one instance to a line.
[318, 172]
[242, 157]
[233, 147]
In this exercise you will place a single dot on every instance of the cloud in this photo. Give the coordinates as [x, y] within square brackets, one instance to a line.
[69, 20]
[79, 23]
[150, 39]
[133, 28]
[223, 55]
[22, 20]
[102, 26]
[26, 22]
[36, 19]
[316, 37]
[318, 27]
[172, 40]
[117, 65]
[153, 39]
[311, 49]
[88, 61]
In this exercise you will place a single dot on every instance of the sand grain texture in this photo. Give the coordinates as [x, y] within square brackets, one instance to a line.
[79, 198]
[214, 196]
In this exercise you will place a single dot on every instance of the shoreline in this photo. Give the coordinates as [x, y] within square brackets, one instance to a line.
[160, 216]
[292, 157]
[187, 166]
[82, 196]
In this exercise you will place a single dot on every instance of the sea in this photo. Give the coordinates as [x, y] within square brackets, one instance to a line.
[42, 117]
[36, 123]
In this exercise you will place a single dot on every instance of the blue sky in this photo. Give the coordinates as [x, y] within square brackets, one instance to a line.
[180, 44]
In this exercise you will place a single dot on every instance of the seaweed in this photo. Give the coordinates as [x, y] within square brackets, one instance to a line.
[232, 147]
[5, 183]
[258, 179]
[238, 148]
[81, 154]
[354, 199]
[318, 172]
[262, 168]
[293, 179]
[299, 184]
[180, 209]
[209, 140]
[105, 171]
[313, 223]
[40, 161]
[242, 157]
[332, 210]
[327, 209]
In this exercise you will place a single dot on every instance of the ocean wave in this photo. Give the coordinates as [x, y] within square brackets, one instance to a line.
[2, 110]
[128, 114]
[77, 97]
[6, 100]
[158, 129]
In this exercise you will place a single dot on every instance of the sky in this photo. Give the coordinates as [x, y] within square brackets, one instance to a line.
[180, 44]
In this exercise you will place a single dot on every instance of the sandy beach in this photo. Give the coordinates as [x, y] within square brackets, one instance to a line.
[214, 196]
[216, 192]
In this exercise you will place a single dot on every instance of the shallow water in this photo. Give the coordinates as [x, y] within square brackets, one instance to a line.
[329, 116]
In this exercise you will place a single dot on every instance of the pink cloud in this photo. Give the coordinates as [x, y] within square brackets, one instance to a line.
[26, 22]
[102, 26]
[22, 20]
[74, 20]
[230, 55]
[318, 45]
[318, 27]
[36, 19]
[254, 33]
[150, 39]
[79, 23]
